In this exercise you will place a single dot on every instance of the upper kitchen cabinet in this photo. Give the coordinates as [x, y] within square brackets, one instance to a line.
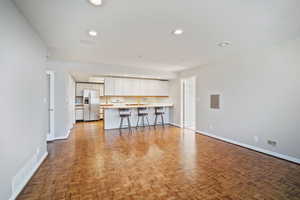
[164, 88]
[109, 87]
[101, 90]
[80, 87]
[148, 88]
[135, 87]
[130, 87]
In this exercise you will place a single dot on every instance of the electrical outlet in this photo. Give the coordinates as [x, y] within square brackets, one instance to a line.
[256, 139]
[272, 143]
[211, 127]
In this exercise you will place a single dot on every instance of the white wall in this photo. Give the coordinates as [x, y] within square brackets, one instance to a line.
[260, 96]
[23, 89]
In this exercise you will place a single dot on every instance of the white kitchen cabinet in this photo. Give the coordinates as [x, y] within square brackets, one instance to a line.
[166, 88]
[156, 88]
[125, 87]
[101, 90]
[135, 87]
[142, 90]
[163, 88]
[131, 87]
[109, 87]
[113, 87]
[79, 114]
[148, 88]
[80, 87]
[119, 86]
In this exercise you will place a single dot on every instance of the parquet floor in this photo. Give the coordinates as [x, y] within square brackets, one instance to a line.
[158, 164]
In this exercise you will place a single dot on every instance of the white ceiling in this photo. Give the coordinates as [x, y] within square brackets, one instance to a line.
[137, 33]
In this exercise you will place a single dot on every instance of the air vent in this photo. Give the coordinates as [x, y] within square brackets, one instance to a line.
[215, 101]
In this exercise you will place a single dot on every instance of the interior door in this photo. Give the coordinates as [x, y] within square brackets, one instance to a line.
[189, 103]
[50, 98]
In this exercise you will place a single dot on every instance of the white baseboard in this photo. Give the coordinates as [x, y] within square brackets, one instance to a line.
[25, 174]
[275, 154]
[174, 124]
[61, 137]
[49, 138]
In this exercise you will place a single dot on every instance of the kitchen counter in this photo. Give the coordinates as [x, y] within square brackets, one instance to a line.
[78, 106]
[112, 115]
[136, 106]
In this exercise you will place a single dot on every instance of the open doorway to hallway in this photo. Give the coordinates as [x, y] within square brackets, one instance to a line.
[188, 103]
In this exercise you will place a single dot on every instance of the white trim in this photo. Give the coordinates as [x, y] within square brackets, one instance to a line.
[182, 83]
[188, 97]
[50, 138]
[61, 137]
[190, 129]
[51, 100]
[275, 154]
[174, 124]
[27, 177]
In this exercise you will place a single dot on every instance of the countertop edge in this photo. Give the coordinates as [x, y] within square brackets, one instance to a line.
[137, 106]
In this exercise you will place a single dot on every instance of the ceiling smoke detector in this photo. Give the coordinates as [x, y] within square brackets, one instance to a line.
[224, 44]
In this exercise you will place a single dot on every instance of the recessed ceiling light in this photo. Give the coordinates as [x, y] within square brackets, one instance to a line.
[224, 44]
[93, 33]
[178, 32]
[96, 2]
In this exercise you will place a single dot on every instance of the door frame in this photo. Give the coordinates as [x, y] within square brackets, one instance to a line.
[182, 95]
[183, 101]
[51, 107]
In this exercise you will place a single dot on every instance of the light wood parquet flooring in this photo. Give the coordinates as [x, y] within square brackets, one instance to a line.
[158, 164]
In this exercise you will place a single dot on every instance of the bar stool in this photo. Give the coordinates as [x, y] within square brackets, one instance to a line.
[159, 112]
[142, 112]
[125, 113]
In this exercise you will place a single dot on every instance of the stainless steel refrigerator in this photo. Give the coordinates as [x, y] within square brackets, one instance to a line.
[91, 104]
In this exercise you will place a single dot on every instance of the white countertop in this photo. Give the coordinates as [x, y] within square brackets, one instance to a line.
[136, 106]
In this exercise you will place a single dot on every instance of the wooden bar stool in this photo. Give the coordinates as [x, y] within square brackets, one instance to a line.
[159, 112]
[142, 112]
[125, 113]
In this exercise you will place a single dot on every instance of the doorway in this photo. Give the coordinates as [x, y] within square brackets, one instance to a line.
[188, 103]
[50, 106]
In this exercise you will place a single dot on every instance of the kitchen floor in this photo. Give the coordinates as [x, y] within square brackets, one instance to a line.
[159, 164]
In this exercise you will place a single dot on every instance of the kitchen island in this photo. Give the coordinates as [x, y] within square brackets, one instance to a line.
[112, 117]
